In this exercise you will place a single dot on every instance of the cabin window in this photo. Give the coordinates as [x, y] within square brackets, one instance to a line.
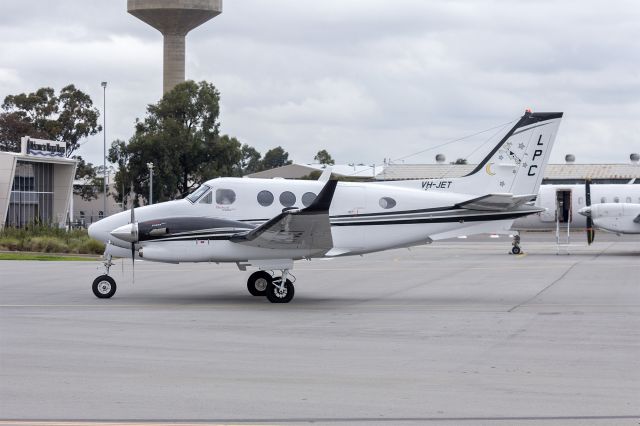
[616, 199]
[207, 199]
[387, 202]
[603, 199]
[628, 199]
[307, 198]
[225, 196]
[265, 198]
[193, 197]
[287, 199]
[579, 201]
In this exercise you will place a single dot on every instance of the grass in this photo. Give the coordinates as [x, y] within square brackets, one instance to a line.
[46, 239]
[46, 257]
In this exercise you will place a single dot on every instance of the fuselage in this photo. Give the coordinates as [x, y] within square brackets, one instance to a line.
[365, 217]
[563, 203]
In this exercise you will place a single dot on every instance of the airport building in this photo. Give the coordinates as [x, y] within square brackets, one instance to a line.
[36, 184]
[567, 173]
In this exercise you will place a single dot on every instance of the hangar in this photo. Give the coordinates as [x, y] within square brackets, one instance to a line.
[35, 183]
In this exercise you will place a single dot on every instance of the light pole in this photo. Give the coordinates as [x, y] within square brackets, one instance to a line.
[104, 147]
[150, 166]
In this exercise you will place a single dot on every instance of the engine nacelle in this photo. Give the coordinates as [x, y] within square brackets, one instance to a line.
[620, 218]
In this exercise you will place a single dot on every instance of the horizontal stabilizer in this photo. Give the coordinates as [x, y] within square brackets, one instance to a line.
[496, 202]
[305, 229]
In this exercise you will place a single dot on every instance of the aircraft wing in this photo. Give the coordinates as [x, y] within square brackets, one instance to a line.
[496, 202]
[298, 229]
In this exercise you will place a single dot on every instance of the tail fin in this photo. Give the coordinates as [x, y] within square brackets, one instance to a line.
[517, 164]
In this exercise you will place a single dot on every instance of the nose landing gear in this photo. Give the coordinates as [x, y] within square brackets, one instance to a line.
[104, 286]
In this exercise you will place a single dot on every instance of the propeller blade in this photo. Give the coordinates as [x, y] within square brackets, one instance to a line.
[591, 233]
[134, 230]
[133, 261]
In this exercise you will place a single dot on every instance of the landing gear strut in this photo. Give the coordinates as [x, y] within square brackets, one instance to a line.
[104, 286]
[280, 290]
[516, 245]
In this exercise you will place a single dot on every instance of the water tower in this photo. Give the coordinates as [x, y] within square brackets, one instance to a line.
[174, 19]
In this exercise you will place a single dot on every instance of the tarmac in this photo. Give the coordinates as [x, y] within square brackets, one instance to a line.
[457, 332]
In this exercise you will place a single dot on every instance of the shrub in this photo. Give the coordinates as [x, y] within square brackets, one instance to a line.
[46, 239]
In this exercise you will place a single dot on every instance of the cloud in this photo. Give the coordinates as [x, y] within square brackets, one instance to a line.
[366, 80]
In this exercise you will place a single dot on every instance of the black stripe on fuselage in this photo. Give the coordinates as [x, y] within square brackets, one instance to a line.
[461, 218]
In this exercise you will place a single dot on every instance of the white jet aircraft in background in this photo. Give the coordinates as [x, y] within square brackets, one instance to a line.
[270, 223]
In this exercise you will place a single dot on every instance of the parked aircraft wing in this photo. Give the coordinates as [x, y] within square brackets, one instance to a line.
[496, 202]
[299, 229]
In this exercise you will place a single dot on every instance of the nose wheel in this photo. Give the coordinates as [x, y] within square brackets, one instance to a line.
[104, 287]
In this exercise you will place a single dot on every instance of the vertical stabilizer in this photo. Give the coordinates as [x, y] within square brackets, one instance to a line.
[515, 165]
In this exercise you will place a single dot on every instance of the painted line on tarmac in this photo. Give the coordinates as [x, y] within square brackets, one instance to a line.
[256, 422]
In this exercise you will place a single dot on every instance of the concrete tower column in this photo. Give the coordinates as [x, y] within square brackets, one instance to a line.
[174, 19]
[173, 63]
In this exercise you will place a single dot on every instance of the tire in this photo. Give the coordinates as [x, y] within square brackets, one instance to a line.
[258, 282]
[274, 295]
[515, 250]
[104, 287]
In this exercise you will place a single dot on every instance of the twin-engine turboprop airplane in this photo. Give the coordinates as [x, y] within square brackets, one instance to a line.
[270, 223]
[610, 207]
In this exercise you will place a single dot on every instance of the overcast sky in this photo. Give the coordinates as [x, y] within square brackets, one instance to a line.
[366, 80]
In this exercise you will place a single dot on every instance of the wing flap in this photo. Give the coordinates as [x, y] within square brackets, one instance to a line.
[496, 202]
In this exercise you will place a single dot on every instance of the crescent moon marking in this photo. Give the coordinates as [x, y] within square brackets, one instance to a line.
[488, 169]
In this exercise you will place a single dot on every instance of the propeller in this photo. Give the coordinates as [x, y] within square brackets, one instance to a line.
[134, 238]
[591, 233]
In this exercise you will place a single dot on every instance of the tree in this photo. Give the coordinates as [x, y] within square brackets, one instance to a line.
[92, 183]
[68, 117]
[180, 135]
[119, 155]
[323, 157]
[276, 157]
[250, 160]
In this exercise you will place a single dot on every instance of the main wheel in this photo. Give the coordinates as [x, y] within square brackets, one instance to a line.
[104, 287]
[276, 295]
[258, 282]
[515, 250]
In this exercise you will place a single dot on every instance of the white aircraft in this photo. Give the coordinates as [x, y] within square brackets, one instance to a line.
[611, 207]
[269, 223]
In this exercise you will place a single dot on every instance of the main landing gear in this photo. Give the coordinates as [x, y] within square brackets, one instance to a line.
[276, 289]
[516, 245]
[104, 286]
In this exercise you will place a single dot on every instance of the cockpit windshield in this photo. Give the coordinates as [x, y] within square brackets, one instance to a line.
[193, 197]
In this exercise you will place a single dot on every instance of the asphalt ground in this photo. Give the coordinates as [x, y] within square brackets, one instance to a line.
[458, 332]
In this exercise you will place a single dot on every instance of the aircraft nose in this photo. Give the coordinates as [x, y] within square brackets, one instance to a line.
[585, 211]
[95, 231]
